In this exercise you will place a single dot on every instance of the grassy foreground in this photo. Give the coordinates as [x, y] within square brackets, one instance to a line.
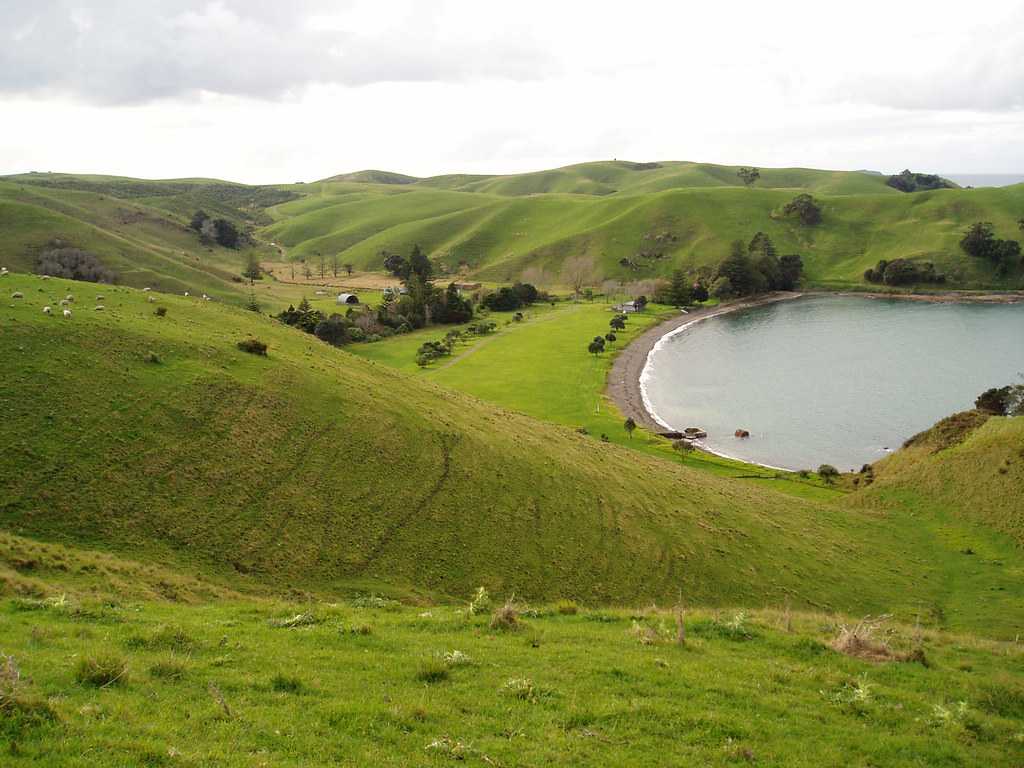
[369, 682]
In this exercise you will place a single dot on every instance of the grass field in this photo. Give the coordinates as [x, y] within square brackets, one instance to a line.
[220, 684]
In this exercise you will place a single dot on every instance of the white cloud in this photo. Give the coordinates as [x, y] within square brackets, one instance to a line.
[270, 91]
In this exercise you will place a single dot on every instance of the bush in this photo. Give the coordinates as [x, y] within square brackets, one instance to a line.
[253, 347]
[805, 207]
[160, 312]
[101, 671]
[74, 264]
[506, 617]
[828, 473]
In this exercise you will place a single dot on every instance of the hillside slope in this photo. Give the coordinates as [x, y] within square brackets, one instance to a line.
[315, 469]
[643, 235]
[969, 465]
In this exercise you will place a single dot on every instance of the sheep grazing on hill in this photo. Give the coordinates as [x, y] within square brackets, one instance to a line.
[100, 298]
[17, 295]
[150, 299]
[147, 289]
[64, 302]
[47, 311]
[67, 313]
[69, 297]
[3, 270]
[98, 308]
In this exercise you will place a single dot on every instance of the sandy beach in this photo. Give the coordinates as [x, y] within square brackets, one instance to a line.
[623, 385]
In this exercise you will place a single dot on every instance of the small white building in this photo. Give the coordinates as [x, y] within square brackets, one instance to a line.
[347, 298]
[627, 307]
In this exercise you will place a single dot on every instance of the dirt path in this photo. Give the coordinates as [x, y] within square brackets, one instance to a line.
[623, 385]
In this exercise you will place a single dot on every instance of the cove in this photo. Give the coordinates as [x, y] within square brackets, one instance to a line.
[830, 379]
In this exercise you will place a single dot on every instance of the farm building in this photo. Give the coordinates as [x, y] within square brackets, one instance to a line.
[627, 307]
[348, 298]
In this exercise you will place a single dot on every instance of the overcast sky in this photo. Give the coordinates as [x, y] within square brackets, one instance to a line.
[261, 91]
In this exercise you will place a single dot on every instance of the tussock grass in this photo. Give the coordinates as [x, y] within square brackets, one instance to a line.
[102, 670]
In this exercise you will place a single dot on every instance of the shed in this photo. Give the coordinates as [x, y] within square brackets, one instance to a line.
[627, 307]
[348, 298]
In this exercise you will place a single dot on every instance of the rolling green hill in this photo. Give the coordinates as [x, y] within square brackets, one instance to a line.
[635, 221]
[314, 469]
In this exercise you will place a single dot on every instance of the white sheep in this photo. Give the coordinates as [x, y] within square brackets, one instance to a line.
[17, 295]
[147, 289]
[100, 298]
[69, 297]
[186, 293]
[64, 302]
[47, 310]
[150, 299]
[98, 307]
[67, 313]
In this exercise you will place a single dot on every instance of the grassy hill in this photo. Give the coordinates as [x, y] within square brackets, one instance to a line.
[315, 469]
[634, 220]
[497, 234]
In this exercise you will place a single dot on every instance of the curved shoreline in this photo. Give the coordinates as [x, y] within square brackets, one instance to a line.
[625, 384]
[625, 380]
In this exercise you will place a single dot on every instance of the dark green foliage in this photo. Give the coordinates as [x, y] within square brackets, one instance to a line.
[806, 209]
[73, 264]
[160, 311]
[596, 347]
[791, 268]
[700, 291]
[199, 218]
[828, 473]
[286, 684]
[618, 323]
[903, 272]
[304, 317]
[1002, 401]
[980, 242]
[253, 347]
[334, 330]
[907, 181]
[748, 175]
[507, 299]
[220, 231]
[742, 278]
[456, 309]
[396, 264]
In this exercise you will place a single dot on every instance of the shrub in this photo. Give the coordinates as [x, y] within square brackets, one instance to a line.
[828, 473]
[101, 671]
[160, 311]
[253, 347]
[506, 617]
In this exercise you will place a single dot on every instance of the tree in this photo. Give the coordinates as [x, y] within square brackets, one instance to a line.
[333, 330]
[335, 265]
[252, 305]
[594, 348]
[577, 272]
[680, 290]
[979, 239]
[252, 269]
[456, 308]
[225, 233]
[397, 265]
[995, 400]
[610, 337]
[748, 175]
[629, 425]
[700, 291]
[306, 271]
[420, 265]
[805, 207]
[198, 219]
[349, 268]
[791, 268]
[321, 263]
[737, 269]
[828, 473]
[683, 447]
[617, 323]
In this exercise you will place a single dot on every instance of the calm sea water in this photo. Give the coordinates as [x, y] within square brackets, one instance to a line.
[985, 179]
[838, 380]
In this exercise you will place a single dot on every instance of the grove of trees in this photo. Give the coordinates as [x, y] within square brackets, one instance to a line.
[73, 264]
[220, 231]
[981, 242]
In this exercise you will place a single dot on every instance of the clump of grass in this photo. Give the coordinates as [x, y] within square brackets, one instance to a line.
[456, 659]
[166, 638]
[359, 629]
[506, 617]
[102, 671]
[860, 640]
[479, 603]
[20, 711]
[567, 607]
[253, 347]
[281, 683]
[524, 689]
[432, 670]
[449, 747]
[298, 620]
[170, 668]
[152, 357]
[374, 601]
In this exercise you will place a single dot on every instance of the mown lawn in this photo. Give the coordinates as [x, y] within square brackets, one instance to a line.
[368, 682]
